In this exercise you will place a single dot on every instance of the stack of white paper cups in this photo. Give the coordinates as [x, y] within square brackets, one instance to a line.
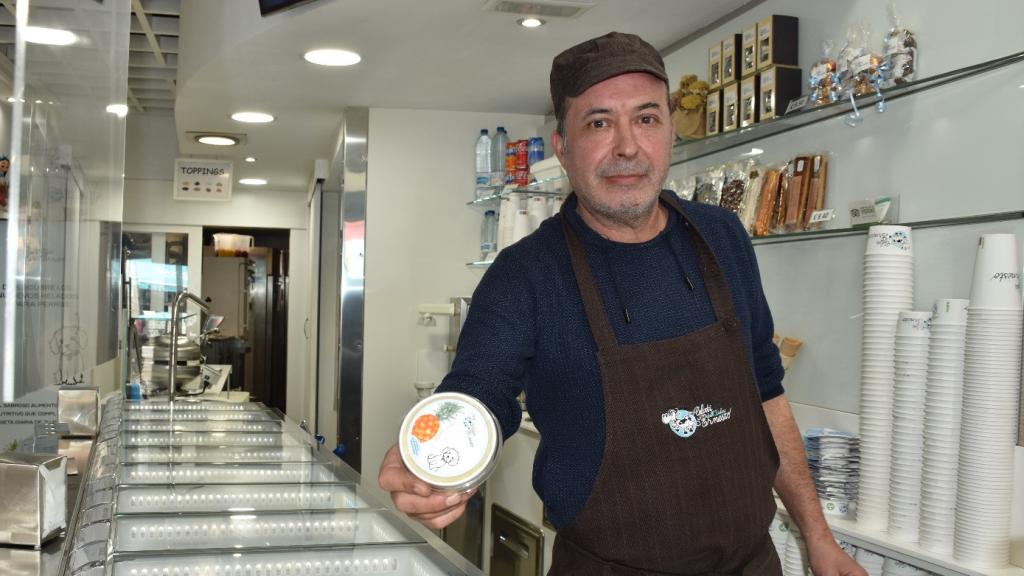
[888, 290]
[942, 412]
[992, 373]
[912, 332]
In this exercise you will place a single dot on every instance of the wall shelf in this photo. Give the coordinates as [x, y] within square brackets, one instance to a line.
[839, 232]
[551, 187]
[881, 543]
[694, 149]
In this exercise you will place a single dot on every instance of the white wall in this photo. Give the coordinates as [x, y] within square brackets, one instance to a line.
[419, 235]
[299, 398]
[950, 35]
[924, 148]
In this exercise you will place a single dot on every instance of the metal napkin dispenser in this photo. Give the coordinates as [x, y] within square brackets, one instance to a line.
[32, 502]
[79, 408]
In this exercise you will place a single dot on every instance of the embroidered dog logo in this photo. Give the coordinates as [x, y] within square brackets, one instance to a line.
[680, 421]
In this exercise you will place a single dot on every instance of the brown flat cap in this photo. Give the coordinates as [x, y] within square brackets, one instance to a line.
[598, 59]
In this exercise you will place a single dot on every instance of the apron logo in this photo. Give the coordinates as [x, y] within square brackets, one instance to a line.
[684, 423]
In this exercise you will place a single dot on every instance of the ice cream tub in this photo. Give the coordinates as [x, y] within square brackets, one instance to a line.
[451, 441]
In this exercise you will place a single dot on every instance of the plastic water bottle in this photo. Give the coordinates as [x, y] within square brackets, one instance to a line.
[498, 144]
[488, 234]
[483, 161]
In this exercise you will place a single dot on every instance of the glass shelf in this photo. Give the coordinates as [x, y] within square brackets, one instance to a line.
[693, 149]
[838, 232]
[538, 188]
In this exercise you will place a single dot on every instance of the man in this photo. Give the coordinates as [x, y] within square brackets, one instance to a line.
[638, 327]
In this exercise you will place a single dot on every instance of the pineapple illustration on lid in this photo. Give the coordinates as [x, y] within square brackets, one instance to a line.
[450, 441]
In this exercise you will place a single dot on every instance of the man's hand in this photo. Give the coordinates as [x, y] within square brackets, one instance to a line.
[411, 495]
[794, 485]
[828, 559]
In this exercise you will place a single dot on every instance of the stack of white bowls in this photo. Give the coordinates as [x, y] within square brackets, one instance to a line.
[992, 376]
[942, 411]
[870, 562]
[912, 333]
[779, 533]
[888, 290]
[893, 567]
[794, 562]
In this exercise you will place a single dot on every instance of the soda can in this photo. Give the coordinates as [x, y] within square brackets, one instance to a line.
[522, 177]
[522, 154]
[510, 158]
[535, 152]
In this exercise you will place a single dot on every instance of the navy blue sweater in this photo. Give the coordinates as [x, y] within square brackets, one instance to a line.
[526, 328]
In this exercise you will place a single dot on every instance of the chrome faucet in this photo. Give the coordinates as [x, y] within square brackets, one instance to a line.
[175, 309]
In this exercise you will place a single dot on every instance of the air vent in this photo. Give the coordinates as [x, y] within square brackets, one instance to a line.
[548, 8]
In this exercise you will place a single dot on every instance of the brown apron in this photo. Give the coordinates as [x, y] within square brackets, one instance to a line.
[685, 483]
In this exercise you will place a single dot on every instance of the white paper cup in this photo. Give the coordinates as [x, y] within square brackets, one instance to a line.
[950, 311]
[997, 269]
[890, 240]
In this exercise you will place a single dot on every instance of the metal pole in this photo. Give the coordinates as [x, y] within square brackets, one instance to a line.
[173, 360]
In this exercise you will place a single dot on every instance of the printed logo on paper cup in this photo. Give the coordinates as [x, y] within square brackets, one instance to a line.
[685, 423]
[899, 240]
[917, 324]
[448, 439]
[1007, 277]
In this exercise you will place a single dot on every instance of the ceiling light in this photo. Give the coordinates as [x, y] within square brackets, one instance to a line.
[530, 22]
[50, 36]
[250, 159]
[12, 99]
[252, 117]
[332, 57]
[121, 110]
[217, 140]
[252, 181]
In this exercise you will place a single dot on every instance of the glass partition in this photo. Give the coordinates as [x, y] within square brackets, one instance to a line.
[62, 78]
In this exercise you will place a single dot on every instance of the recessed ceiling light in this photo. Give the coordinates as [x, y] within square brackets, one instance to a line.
[250, 159]
[121, 110]
[332, 57]
[530, 22]
[252, 117]
[217, 140]
[252, 181]
[50, 36]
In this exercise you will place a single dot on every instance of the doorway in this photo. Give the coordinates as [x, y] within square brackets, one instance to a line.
[252, 287]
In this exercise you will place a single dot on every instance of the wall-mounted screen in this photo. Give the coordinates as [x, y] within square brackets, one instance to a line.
[268, 7]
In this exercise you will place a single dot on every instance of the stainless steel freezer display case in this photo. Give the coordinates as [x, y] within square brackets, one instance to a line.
[202, 498]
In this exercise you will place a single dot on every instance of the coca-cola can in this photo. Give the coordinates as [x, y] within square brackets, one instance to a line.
[522, 177]
[522, 154]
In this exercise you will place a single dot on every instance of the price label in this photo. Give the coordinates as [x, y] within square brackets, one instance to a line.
[863, 213]
[797, 104]
[819, 216]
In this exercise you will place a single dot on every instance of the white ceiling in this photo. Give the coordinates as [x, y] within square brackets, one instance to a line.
[422, 54]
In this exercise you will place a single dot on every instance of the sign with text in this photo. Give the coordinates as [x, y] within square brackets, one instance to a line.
[203, 179]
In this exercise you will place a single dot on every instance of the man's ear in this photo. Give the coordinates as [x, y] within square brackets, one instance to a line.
[556, 143]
